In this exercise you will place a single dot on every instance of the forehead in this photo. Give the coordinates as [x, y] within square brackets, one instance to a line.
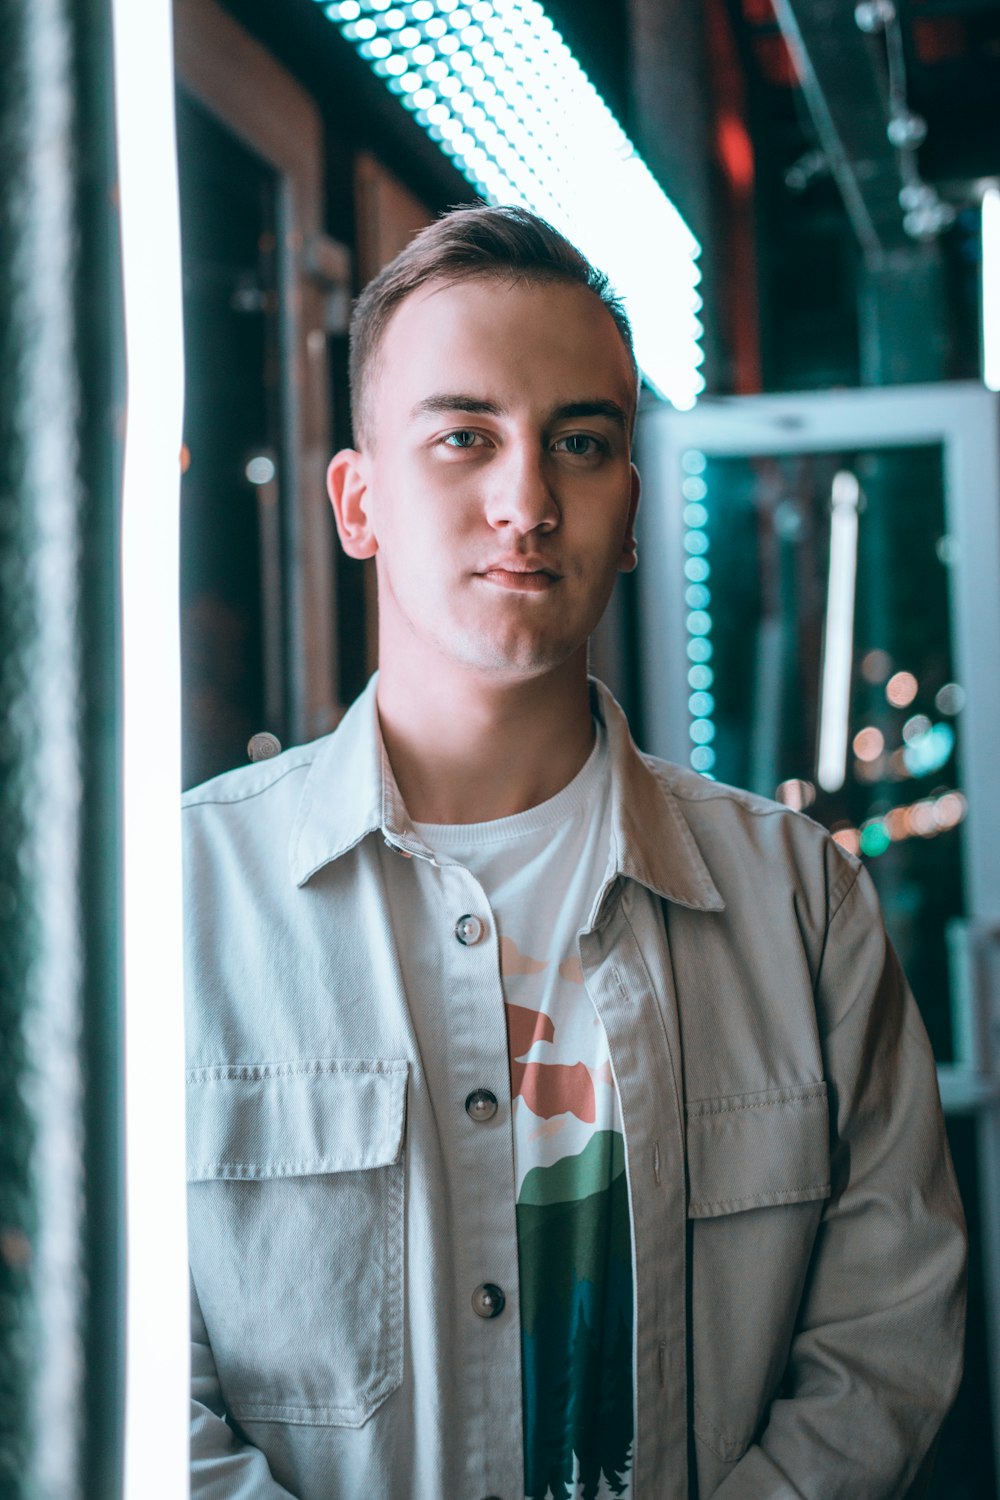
[502, 339]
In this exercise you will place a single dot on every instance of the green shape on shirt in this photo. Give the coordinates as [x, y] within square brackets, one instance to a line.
[576, 1336]
[576, 1177]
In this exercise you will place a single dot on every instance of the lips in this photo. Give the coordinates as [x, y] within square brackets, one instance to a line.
[523, 575]
[522, 566]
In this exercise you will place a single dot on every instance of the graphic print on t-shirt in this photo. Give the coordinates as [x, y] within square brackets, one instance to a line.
[541, 871]
[574, 1251]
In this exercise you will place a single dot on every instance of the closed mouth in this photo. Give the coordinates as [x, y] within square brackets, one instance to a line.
[528, 580]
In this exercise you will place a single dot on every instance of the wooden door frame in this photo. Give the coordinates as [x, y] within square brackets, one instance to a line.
[233, 77]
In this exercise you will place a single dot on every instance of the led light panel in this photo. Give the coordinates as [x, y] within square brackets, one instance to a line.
[158, 1345]
[496, 87]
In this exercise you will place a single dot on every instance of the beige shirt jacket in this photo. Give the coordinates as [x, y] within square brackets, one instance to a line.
[798, 1240]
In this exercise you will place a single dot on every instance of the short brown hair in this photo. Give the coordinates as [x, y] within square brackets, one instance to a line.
[467, 243]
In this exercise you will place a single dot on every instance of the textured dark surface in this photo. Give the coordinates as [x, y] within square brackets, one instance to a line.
[60, 373]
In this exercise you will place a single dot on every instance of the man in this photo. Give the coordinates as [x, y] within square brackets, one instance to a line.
[560, 1122]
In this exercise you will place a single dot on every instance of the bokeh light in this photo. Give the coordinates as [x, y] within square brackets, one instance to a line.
[915, 728]
[901, 689]
[796, 794]
[950, 699]
[876, 666]
[869, 743]
[874, 838]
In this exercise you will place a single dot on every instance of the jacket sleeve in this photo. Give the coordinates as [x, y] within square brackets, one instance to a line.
[876, 1357]
[222, 1466]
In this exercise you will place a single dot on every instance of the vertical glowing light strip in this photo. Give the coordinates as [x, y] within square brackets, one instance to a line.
[493, 83]
[156, 1417]
[838, 641]
[991, 288]
[698, 597]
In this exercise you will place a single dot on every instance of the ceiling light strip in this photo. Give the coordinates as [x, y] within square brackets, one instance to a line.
[496, 87]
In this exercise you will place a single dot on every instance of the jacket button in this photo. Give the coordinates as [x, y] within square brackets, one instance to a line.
[263, 745]
[488, 1300]
[469, 930]
[481, 1106]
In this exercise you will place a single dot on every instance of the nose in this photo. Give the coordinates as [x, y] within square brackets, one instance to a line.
[521, 498]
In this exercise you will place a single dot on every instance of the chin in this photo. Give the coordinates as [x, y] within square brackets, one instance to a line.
[514, 658]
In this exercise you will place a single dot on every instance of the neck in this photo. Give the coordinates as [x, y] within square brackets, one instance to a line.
[469, 749]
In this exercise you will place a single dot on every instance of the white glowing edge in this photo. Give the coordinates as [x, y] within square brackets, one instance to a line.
[569, 160]
[838, 641]
[157, 1339]
[991, 288]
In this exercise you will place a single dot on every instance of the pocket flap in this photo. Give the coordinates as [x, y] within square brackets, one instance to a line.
[757, 1150]
[255, 1121]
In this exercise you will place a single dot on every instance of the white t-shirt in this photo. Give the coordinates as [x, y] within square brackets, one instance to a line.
[541, 872]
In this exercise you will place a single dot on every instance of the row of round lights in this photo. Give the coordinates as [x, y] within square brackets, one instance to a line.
[697, 598]
[924, 819]
[493, 83]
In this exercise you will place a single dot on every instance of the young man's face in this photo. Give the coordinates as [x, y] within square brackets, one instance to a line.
[496, 491]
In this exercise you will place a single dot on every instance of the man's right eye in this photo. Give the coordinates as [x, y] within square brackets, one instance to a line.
[464, 438]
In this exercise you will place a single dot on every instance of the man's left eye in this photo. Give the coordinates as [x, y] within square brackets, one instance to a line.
[579, 445]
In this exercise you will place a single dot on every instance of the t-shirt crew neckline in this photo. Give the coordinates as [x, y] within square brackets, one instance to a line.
[577, 795]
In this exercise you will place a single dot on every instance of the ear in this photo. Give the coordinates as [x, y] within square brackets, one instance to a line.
[629, 556]
[347, 486]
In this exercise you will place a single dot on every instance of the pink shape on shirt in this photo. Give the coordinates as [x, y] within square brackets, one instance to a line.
[547, 1088]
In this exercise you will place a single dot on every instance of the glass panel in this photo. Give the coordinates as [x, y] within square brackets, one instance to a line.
[821, 668]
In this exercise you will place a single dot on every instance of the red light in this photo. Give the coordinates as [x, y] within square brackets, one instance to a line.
[735, 152]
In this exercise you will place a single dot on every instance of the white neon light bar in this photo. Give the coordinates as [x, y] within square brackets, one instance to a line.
[991, 288]
[838, 644]
[157, 1340]
[496, 87]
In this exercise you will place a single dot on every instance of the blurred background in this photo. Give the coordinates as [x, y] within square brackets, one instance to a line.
[800, 201]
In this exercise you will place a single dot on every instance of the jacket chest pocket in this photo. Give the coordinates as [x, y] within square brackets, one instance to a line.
[758, 1175]
[295, 1205]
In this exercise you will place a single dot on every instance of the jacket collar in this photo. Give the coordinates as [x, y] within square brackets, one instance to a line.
[350, 792]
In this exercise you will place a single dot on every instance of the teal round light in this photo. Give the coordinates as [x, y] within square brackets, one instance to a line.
[875, 838]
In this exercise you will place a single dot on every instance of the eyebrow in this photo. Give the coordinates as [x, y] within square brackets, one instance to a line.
[474, 406]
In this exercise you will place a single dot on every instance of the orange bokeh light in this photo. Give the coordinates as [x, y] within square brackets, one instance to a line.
[869, 743]
[901, 689]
